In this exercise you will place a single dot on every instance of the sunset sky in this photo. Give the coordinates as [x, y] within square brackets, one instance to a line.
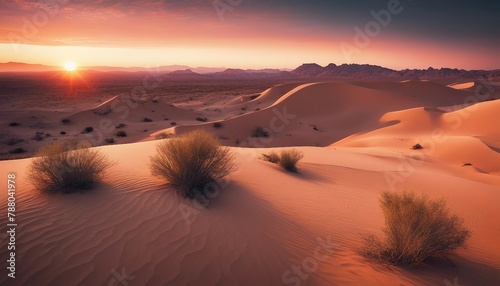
[252, 33]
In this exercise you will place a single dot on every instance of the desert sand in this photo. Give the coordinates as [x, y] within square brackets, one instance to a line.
[264, 224]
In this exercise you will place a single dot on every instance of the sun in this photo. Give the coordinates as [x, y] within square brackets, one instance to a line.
[70, 66]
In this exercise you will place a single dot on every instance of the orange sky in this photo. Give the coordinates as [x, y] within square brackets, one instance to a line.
[153, 33]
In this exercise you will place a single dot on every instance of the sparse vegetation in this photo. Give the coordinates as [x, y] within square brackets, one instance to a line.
[65, 121]
[38, 136]
[415, 228]
[259, 132]
[88, 129]
[417, 147]
[13, 124]
[272, 157]
[63, 167]
[173, 123]
[192, 162]
[121, 125]
[217, 125]
[62, 132]
[18, 150]
[202, 119]
[147, 119]
[110, 140]
[121, 134]
[287, 159]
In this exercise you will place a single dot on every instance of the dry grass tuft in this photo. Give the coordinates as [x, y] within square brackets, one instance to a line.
[192, 162]
[415, 228]
[287, 159]
[64, 167]
[272, 157]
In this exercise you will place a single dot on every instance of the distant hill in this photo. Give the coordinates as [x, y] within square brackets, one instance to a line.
[22, 67]
[305, 71]
[373, 71]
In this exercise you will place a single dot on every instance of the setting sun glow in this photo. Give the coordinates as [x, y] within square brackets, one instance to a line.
[70, 66]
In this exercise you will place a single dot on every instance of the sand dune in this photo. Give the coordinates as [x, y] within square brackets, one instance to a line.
[340, 109]
[466, 138]
[253, 233]
[463, 85]
[264, 224]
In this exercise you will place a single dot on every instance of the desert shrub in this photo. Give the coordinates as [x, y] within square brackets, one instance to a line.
[13, 124]
[289, 158]
[65, 121]
[18, 150]
[62, 132]
[88, 129]
[259, 132]
[121, 134]
[415, 228]
[110, 140]
[192, 162]
[417, 147]
[121, 125]
[202, 119]
[272, 157]
[38, 136]
[173, 123]
[147, 119]
[63, 167]
[217, 125]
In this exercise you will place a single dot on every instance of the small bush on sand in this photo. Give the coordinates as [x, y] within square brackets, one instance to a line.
[191, 162]
[417, 147]
[121, 134]
[287, 159]
[272, 157]
[121, 125]
[65, 121]
[88, 129]
[202, 119]
[147, 119]
[259, 132]
[415, 228]
[13, 124]
[63, 167]
[38, 136]
[217, 125]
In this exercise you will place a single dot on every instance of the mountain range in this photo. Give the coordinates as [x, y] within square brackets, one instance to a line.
[305, 71]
